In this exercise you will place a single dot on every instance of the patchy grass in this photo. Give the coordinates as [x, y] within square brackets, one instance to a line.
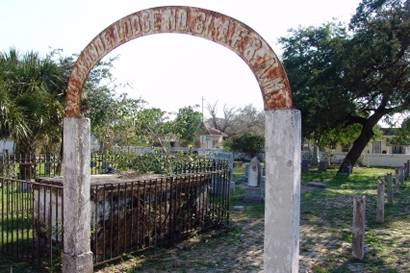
[328, 214]
[325, 234]
[360, 180]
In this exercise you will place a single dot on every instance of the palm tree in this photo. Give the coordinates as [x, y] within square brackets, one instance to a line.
[31, 99]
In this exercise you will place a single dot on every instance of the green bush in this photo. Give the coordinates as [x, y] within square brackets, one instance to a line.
[247, 143]
[156, 162]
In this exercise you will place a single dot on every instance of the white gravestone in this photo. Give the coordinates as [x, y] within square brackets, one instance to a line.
[253, 172]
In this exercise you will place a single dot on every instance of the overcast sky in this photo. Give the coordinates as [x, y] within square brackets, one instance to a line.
[168, 70]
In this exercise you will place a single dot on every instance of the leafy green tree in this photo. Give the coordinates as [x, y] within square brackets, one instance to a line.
[127, 111]
[100, 106]
[343, 136]
[112, 118]
[247, 143]
[403, 133]
[358, 76]
[153, 127]
[187, 123]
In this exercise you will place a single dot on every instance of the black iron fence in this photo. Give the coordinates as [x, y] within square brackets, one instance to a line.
[139, 214]
[25, 167]
[30, 226]
[49, 165]
[28, 166]
[126, 216]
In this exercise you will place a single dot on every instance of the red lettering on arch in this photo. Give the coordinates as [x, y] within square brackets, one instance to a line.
[222, 29]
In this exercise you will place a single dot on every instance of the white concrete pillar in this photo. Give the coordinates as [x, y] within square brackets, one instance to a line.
[77, 256]
[282, 205]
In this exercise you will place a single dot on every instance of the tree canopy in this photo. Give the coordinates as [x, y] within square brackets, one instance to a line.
[187, 122]
[31, 91]
[248, 143]
[402, 136]
[351, 75]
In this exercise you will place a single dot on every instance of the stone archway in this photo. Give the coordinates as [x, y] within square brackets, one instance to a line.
[219, 28]
[282, 128]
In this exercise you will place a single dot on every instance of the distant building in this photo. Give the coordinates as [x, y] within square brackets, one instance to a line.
[211, 138]
[383, 145]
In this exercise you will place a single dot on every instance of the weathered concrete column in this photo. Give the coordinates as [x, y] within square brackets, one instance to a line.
[358, 227]
[389, 182]
[77, 256]
[282, 201]
[380, 202]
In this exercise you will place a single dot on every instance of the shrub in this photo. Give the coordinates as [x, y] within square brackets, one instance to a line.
[247, 143]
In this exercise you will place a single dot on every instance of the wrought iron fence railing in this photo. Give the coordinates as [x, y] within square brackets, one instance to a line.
[136, 215]
[127, 216]
[30, 222]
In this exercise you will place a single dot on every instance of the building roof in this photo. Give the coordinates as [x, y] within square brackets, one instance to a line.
[213, 131]
[389, 131]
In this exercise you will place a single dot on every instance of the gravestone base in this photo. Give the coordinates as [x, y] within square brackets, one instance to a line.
[253, 195]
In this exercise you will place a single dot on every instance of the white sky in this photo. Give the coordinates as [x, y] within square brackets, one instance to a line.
[168, 70]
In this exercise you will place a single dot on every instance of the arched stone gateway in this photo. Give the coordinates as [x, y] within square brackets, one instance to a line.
[282, 130]
[224, 30]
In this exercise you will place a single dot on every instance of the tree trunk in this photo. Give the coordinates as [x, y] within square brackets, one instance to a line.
[360, 143]
[365, 135]
[358, 146]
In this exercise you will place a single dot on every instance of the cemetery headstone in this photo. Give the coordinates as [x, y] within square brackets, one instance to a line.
[254, 172]
[253, 191]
